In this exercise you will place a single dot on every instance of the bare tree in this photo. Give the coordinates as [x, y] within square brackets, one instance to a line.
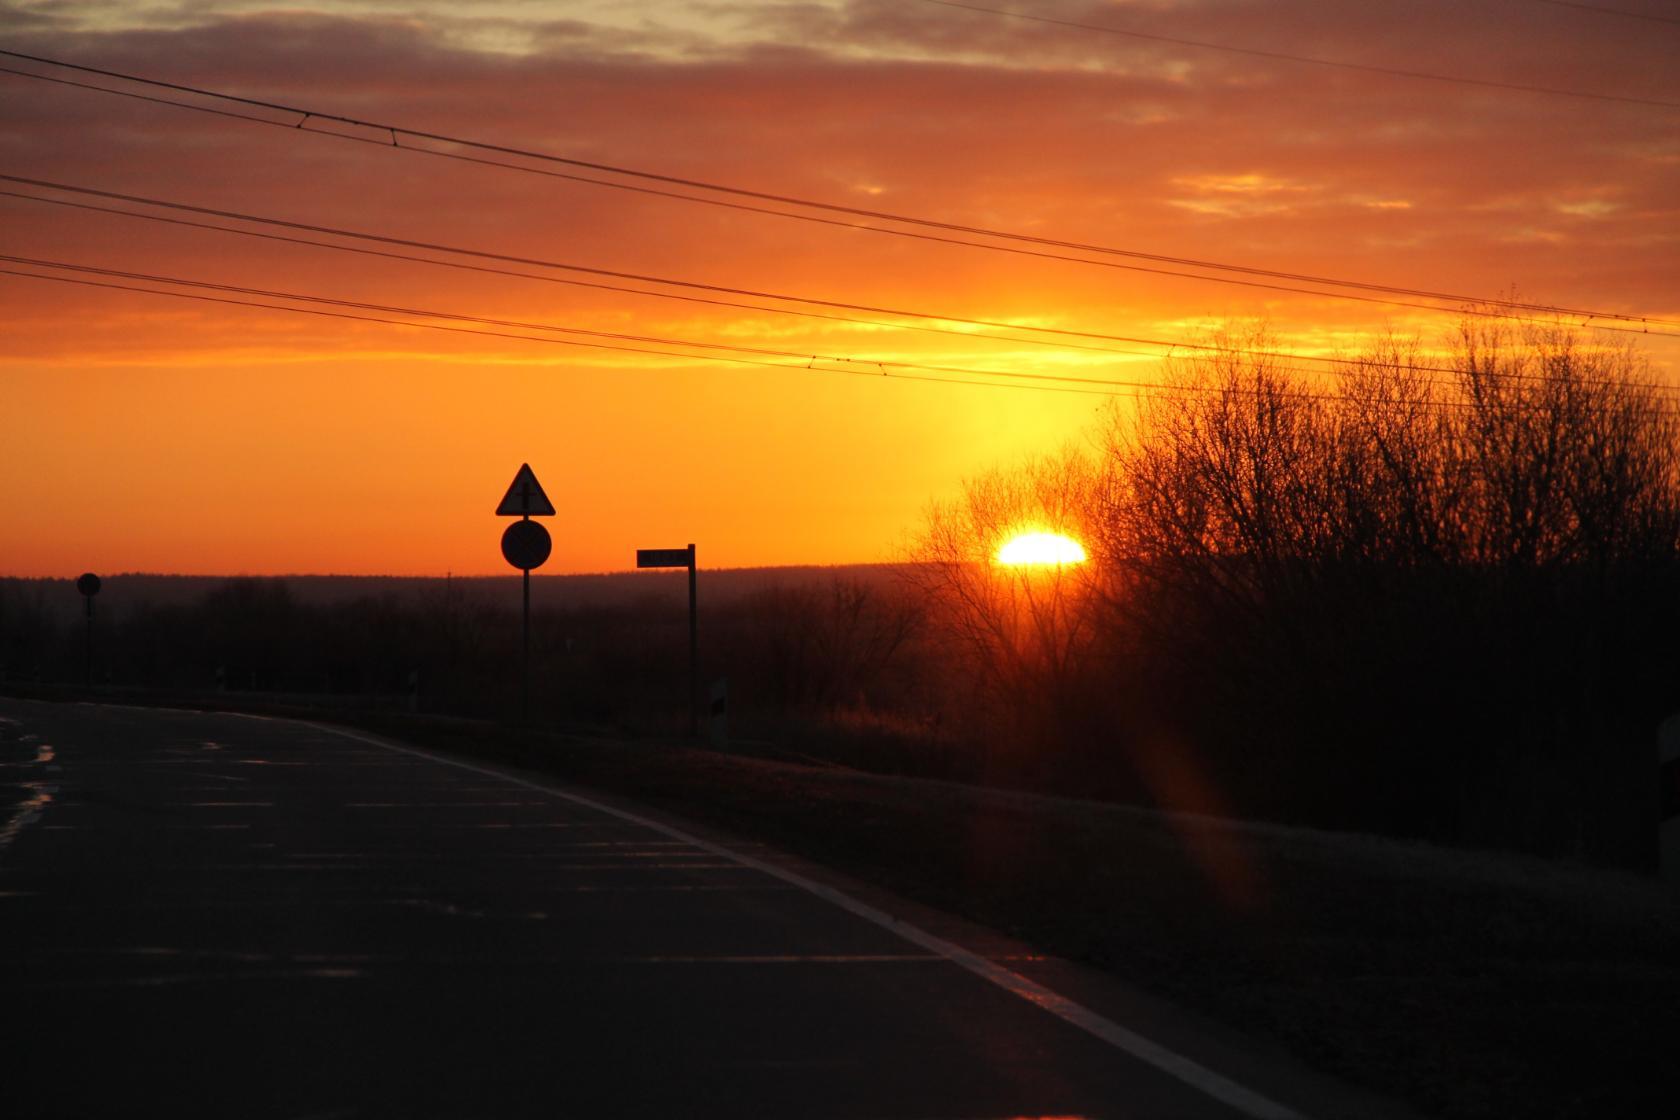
[1024, 635]
[820, 647]
[1361, 559]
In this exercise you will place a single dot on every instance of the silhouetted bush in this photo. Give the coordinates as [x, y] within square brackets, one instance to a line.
[1418, 602]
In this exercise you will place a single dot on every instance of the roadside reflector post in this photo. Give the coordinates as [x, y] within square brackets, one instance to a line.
[88, 585]
[693, 653]
[525, 545]
[1668, 818]
[683, 558]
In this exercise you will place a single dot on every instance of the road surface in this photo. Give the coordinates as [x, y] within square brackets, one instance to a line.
[217, 915]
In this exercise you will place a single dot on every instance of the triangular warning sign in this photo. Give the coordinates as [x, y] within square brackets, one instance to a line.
[525, 498]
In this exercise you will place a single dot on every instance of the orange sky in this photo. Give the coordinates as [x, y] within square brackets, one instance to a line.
[155, 434]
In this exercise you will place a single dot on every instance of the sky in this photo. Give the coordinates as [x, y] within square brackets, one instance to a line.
[149, 432]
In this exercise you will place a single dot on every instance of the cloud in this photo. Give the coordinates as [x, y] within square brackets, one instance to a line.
[1369, 183]
[842, 108]
[901, 107]
[1586, 208]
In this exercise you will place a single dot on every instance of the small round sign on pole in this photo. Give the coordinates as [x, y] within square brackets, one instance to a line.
[88, 584]
[526, 544]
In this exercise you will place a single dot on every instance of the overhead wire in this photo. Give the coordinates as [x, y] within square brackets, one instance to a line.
[809, 218]
[305, 115]
[1058, 333]
[1624, 13]
[593, 285]
[1285, 56]
[534, 338]
[1497, 310]
[618, 336]
[621, 341]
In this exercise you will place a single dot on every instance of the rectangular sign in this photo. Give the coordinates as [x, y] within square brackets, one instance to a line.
[663, 557]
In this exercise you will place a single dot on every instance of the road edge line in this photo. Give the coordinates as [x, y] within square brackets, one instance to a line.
[1170, 1062]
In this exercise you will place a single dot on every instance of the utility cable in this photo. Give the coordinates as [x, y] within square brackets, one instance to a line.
[881, 323]
[538, 262]
[618, 340]
[395, 131]
[362, 250]
[1468, 310]
[616, 336]
[1282, 56]
[1603, 11]
[533, 338]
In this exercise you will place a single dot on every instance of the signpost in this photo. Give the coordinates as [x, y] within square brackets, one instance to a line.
[88, 585]
[525, 545]
[682, 558]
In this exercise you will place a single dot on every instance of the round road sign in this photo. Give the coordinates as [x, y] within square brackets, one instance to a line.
[88, 584]
[525, 545]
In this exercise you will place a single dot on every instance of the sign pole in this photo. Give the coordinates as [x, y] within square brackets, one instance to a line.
[682, 558]
[88, 584]
[525, 659]
[525, 545]
[87, 646]
[693, 653]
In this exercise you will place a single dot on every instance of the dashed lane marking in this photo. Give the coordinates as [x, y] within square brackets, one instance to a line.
[1192, 1073]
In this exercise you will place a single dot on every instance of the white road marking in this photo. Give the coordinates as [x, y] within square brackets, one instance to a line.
[177, 978]
[665, 888]
[443, 805]
[784, 958]
[1170, 1062]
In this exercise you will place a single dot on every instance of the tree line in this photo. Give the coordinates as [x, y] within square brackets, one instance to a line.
[1434, 594]
[1427, 595]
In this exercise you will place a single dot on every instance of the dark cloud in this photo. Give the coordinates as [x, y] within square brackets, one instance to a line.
[1310, 169]
[900, 106]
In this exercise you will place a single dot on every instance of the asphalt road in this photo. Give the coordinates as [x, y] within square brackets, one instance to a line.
[222, 915]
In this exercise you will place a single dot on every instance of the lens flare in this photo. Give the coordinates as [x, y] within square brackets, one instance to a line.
[1041, 548]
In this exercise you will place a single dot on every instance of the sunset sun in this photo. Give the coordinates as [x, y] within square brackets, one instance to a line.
[1040, 548]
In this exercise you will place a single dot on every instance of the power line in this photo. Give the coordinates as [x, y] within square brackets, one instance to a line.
[529, 338]
[1282, 56]
[587, 269]
[618, 341]
[1216, 348]
[1467, 309]
[396, 131]
[1602, 11]
[616, 336]
[542, 263]
[815, 219]
[364, 251]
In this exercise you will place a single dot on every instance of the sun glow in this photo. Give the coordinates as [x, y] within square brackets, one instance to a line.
[1041, 548]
